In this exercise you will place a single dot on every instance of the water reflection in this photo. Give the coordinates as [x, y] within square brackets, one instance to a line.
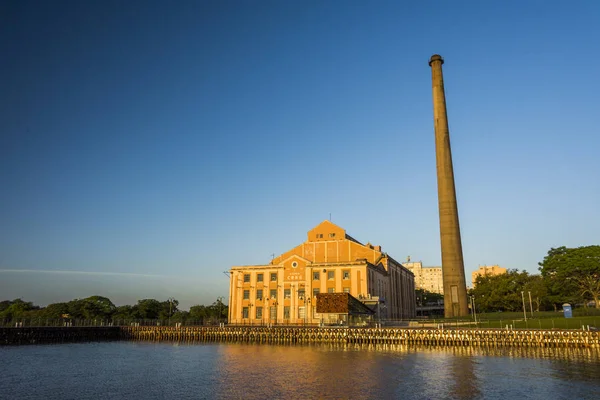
[465, 385]
[255, 371]
[577, 354]
[400, 371]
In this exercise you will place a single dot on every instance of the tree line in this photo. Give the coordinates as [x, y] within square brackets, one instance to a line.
[102, 309]
[567, 275]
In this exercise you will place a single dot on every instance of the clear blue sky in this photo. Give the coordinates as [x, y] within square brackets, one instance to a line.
[146, 147]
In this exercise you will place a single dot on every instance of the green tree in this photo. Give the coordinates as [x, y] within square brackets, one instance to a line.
[168, 309]
[218, 310]
[94, 307]
[54, 311]
[539, 292]
[126, 312]
[573, 274]
[500, 292]
[425, 297]
[198, 313]
[149, 308]
[180, 316]
[17, 309]
[98, 307]
[4, 304]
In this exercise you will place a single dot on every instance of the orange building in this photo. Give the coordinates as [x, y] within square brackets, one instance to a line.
[330, 261]
[485, 270]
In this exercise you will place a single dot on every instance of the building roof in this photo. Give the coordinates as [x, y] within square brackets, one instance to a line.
[341, 303]
[328, 243]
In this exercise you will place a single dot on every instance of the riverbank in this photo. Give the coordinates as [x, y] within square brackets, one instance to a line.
[436, 337]
[45, 335]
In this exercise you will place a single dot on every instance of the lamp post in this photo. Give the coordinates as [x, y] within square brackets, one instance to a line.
[306, 304]
[265, 311]
[170, 308]
[293, 304]
[474, 312]
[530, 304]
[220, 299]
[524, 311]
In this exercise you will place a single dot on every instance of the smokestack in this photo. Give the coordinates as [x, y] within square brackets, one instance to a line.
[453, 269]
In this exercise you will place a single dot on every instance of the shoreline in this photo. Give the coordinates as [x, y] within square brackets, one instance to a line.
[11, 336]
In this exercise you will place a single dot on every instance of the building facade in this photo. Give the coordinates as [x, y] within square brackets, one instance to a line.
[426, 278]
[484, 270]
[329, 261]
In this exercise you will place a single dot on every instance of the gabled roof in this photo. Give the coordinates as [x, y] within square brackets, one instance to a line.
[330, 226]
[325, 228]
[325, 234]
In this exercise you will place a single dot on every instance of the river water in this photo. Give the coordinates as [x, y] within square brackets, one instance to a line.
[139, 370]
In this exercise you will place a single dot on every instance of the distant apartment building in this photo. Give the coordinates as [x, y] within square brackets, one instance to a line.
[426, 278]
[485, 270]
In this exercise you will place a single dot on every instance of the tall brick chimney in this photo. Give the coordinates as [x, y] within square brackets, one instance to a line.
[453, 269]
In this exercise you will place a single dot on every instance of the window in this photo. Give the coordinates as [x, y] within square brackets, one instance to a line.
[246, 294]
[273, 276]
[258, 312]
[346, 290]
[295, 264]
[273, 312]
[330, 275]
[300, 292]
[273, 294]
[246, 278]
[346, 274]
[330, 290]
[286, 312]
[316, 276]
[259, 294]
[245, 312]
[286, 293]
[315, 291]
[319, 236]
[332, 235]
[301, 312]
[259, 277]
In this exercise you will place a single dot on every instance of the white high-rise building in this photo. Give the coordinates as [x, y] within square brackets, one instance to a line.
[426, 278]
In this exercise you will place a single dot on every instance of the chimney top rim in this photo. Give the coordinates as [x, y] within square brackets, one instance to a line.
[436, 57]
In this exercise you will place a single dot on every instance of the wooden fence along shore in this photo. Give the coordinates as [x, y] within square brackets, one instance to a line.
[417, 336]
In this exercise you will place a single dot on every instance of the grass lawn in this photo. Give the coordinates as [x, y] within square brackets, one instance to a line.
[540, 320]
[542, 323]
